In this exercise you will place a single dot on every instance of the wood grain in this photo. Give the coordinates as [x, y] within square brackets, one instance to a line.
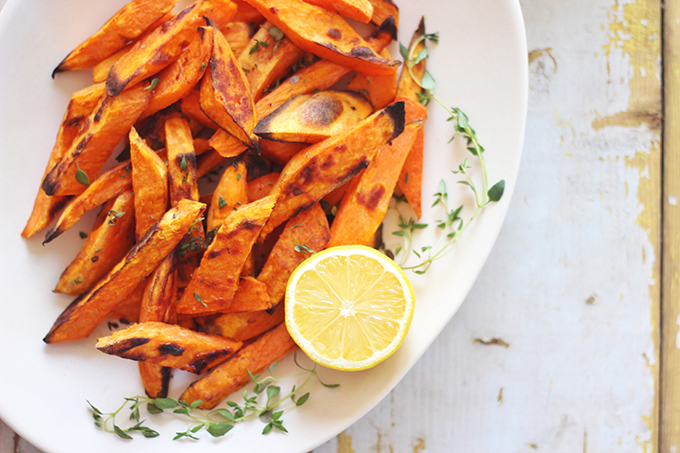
[670, 343]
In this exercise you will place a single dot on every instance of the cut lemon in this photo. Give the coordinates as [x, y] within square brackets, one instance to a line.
[348, 307]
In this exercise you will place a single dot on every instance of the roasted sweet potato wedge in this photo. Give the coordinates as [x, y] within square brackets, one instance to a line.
[181, 161]
[109, 240]
[304, 235]
[81, 105]
[324, 34]
[268, 57]
[84, 314]
[150, 183]
[191, 107]
[411, 177]
[168, 345]
[322, 74]
[108, 124]
[246, 13]
[407, 87]
[128, 310]
[242, 326]
[230, 193]
[360, 10]
[231, 375]
[161, 47]
[109, 185]
[322, 167]
[127, 24]
[216, 280]
[363, 207]
[310, 118]
[225, 94]
[182, 75]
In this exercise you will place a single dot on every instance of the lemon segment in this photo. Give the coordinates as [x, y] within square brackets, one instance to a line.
[349, 307]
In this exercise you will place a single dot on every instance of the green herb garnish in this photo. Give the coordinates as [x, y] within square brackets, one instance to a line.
[265, 403]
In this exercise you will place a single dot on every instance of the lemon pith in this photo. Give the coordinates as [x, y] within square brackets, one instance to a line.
[349, 307]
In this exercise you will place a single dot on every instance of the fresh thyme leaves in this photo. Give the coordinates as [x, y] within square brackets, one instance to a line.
[452, 223]
[303, 248]
[81, 176]
[200, 299]
[154, 84]
[266, 403]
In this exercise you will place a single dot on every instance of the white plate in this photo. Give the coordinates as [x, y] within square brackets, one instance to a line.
[480, 66]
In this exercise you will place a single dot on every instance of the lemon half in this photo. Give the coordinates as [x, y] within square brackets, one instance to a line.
[349, 307]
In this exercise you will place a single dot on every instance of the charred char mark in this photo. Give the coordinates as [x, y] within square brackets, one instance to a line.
[397, 114]
[171, 349]
[303, 207]
[206, 359]
[389, 27]
[123, 347]
[100, 111]
[114, 85]
[373, 197]
[308, 173]
[322, 111]
[274, 10]
[334, 33]
[362, 52]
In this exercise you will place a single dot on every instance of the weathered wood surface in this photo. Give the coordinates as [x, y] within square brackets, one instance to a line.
[578, 281]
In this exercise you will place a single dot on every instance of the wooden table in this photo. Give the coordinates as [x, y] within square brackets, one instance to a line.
[582, 287]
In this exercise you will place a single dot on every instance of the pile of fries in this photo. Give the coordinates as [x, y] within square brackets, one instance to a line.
[241, 92]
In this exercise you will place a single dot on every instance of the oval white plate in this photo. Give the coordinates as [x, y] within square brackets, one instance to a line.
[480, 65]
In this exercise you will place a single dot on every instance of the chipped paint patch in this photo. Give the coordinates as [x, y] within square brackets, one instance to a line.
[419, 446]
[345, 443]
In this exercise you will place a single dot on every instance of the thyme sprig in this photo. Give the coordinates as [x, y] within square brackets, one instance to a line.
[452, 224]
[265, 403]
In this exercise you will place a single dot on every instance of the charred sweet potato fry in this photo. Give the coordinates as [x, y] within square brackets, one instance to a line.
[360, 10]
[150, 183]
[216, 280]
[109, 240]
[411, 177]
[380, 90]
[304, 235]
[84, 314]
[230, 193]
[109, 185]
[267, 57]
[383, 9]
[322, 74]
[181, 161]
[127, 24]
[363, 207]
[231, 375]
[168, 345]
[242, 326]
[108, 124]
[225, 94]
[183, 74]
[325, 34]
[262, 186]
[162, 46]
[158, 301]
[310, 118]
[226, 144]
[81, 105]
[322, 167]
[102, 68]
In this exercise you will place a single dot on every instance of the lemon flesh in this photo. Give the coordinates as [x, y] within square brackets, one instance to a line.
[349, 307]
